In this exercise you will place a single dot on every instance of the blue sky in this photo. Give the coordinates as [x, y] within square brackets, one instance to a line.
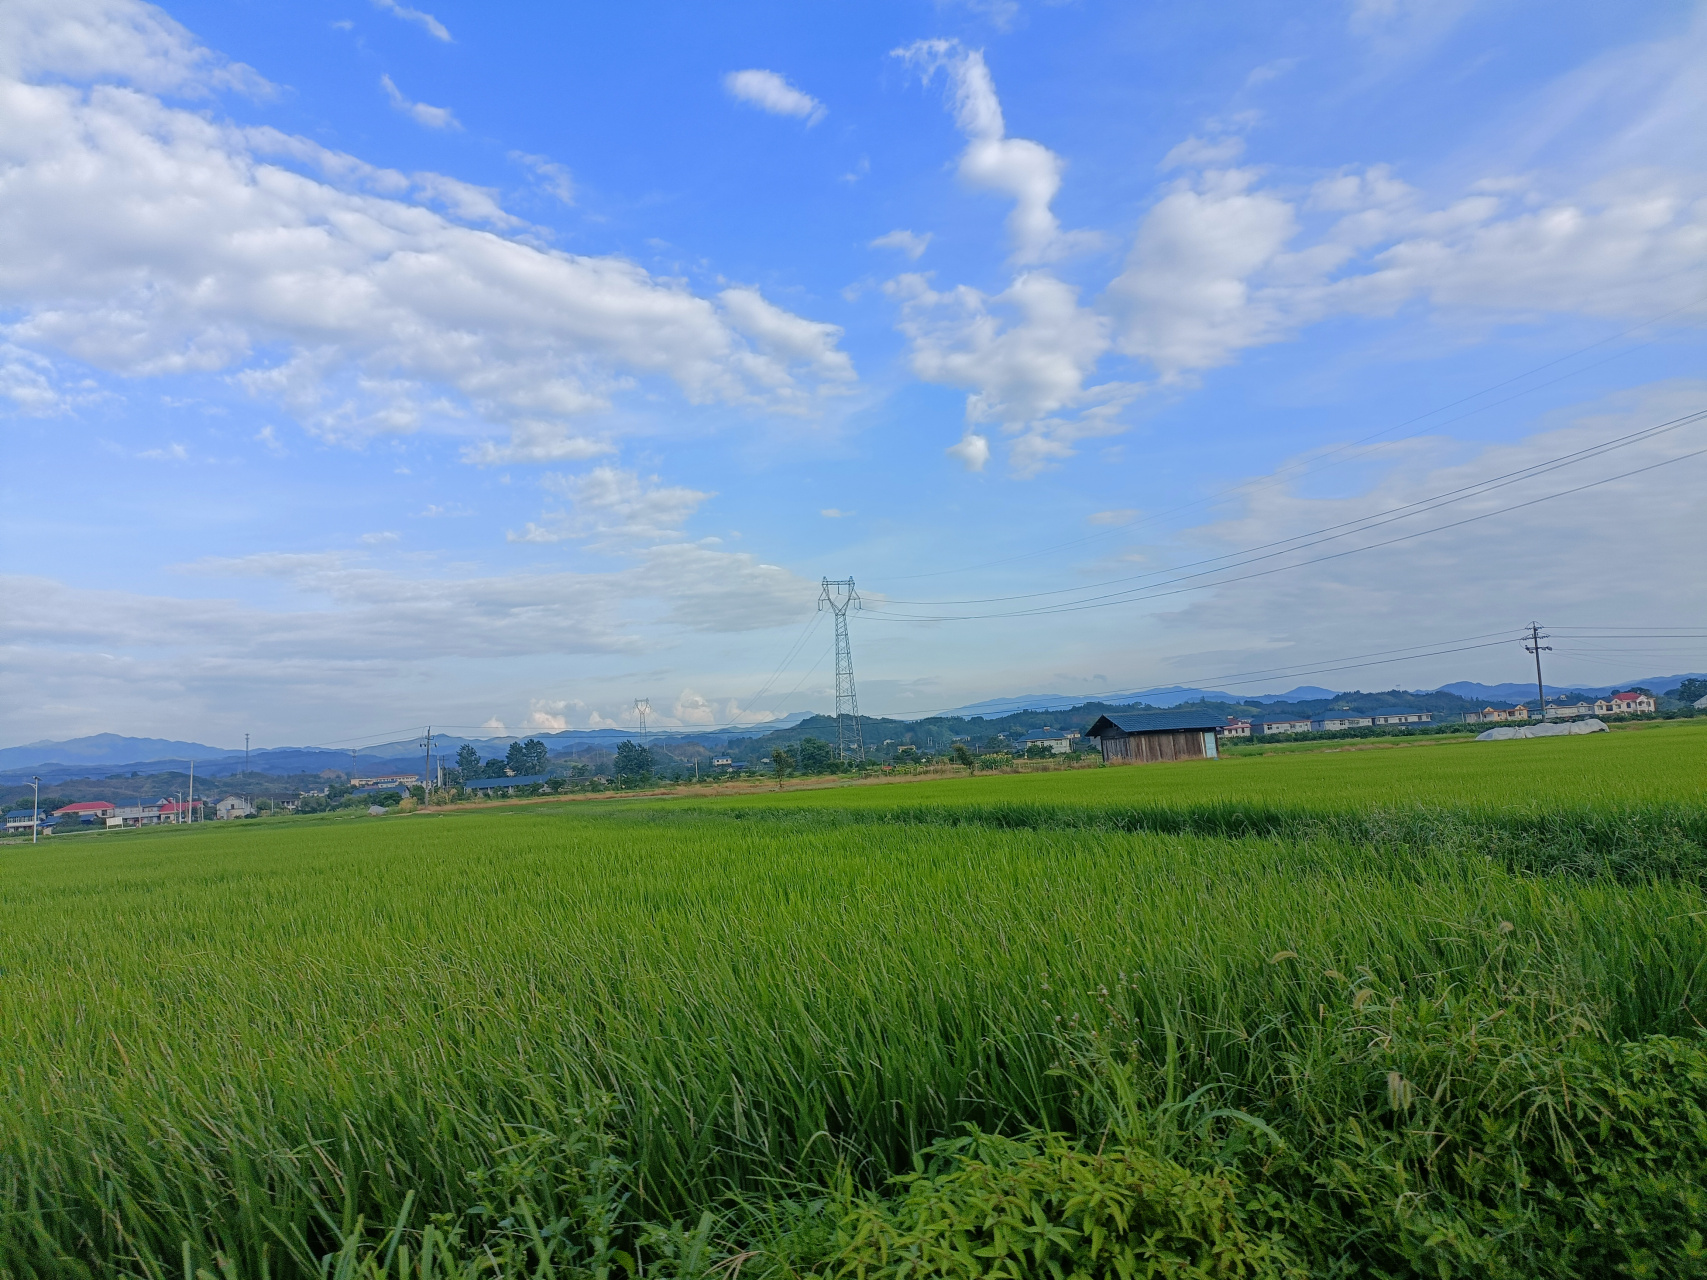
[364, 364]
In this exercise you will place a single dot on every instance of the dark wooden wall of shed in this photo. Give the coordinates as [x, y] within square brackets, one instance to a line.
[1151, 748]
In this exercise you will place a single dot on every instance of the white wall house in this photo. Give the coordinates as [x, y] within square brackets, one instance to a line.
[1624, 704]
[233, 807]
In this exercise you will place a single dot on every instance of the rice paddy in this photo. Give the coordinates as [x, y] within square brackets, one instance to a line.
[1361, 1013]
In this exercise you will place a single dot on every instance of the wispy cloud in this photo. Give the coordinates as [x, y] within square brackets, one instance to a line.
[768, 91]
[432, 25]
[420, 112]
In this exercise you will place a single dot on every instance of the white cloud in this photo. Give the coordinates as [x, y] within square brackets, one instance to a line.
[116, 40]
[464, 200]
[553, 177]
[419, 112]
[146, 240]
[768, 91]
[1024, 170]
[835, 513]
[546, 716]
[615, 507]
[495, 727]
[432, 25]
[908, 242]
[1024, 354]
[381, 539]
[1196, 152]
[1125, 515]
[972, 449]
[268, 440]
[1216, 266]
[782, 340]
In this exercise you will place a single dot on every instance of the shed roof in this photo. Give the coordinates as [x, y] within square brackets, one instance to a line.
[1154, 722]
[1402, 711]
[487, 784]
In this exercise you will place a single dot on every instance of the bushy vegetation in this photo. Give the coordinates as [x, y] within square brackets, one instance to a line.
[1328, 1016]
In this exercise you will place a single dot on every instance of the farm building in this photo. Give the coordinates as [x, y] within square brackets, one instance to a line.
[1150, 736]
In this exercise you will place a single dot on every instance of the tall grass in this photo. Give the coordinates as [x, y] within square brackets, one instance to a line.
[271, 1044]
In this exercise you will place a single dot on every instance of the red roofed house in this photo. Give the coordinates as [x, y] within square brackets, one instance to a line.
[87, 811]
[1624, 704]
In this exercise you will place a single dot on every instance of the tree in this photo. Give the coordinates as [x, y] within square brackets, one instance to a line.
[816, 756]
[780, 759]
[964, 756]
[633, 765]
[1690, 690]
[468, 761]
[526, 759]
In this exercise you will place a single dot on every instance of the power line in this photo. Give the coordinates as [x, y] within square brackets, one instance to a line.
[1362, 523]
[1153, 591]
[1303, 468]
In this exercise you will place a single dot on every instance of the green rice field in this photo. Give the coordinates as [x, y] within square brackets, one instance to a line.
[1384, 1013]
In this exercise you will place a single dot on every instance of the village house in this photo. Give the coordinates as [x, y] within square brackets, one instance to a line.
[1402, 715]
[1052, 740]
[1570, 711]
[1236, 728]
[24, 819]
[1489, 715]
[233, 807]
[1291, 725]
[86, 812]
[1624, 704]
[1331, 721]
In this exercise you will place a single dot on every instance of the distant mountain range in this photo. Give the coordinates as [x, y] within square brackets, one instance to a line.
[107, 753]
[103, 754]
[1171, 696]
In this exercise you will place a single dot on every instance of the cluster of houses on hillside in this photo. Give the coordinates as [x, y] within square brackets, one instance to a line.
[1619, 704]
[142, 813]
[1326, 722]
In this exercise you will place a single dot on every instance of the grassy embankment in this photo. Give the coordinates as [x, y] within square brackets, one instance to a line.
[1328, 1014]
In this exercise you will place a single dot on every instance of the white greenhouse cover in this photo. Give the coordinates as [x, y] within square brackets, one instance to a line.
[1557, 729]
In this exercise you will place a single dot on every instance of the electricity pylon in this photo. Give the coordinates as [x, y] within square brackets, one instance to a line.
[838, 595]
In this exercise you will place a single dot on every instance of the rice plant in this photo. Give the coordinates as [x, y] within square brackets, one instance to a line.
[1370, 1025]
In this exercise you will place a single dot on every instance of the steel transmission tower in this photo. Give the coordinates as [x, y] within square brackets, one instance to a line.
[838, 596]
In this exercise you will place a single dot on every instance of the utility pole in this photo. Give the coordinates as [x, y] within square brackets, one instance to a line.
[838, 596]
[245, 757]
[1537, 648]
[35, 812]
[427, 766]
[192, 788]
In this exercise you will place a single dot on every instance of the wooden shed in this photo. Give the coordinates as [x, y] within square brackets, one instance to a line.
[1146, 737]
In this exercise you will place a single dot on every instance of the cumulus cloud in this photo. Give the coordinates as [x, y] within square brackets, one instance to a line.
[431, 25]
[1221, 264]
[419, 112]
[143, 239]
[972, 449]
[768, 91]
[1024, 355]
[908, 242]
[614, 507]
[1027, 171]
[115, 40]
